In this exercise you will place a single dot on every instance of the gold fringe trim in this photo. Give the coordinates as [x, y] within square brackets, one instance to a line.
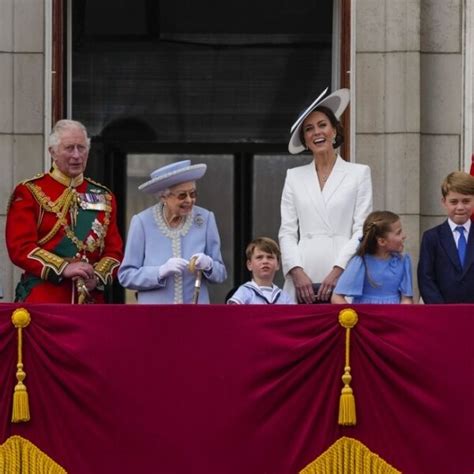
[20, 456]
[349, 456]
[347, 408]
[60, 207]
[64, 204]
[21, 409]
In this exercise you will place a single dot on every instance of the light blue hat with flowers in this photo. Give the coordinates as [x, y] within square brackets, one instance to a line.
[171, 175]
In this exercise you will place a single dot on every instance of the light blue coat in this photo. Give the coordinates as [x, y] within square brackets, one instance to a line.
[151, 243]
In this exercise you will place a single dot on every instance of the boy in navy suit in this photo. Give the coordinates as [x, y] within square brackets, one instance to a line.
[446, 266]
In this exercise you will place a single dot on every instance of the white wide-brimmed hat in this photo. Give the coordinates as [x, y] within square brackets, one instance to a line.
[337, 102]
[171, 175]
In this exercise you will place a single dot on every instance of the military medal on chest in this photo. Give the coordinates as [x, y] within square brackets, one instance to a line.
[94, 200]
[90, 201]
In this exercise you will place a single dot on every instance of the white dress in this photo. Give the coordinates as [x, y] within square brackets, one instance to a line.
[321, 228]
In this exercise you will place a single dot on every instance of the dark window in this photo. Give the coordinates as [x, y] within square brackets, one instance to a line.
[216, 81]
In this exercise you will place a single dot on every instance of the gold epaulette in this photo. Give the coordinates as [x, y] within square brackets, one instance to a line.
[34, 178]
[99, 185]
[25, 181]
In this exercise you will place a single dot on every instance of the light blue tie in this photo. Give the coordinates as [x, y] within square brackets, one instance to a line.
[461, 244]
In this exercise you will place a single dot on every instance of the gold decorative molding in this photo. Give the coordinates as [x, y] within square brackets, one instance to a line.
[349, 456]
[20, 456]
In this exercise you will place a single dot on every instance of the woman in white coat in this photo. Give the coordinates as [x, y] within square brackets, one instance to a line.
[323, 205]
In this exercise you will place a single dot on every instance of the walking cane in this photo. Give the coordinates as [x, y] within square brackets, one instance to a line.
[82, 291]
[197, 283]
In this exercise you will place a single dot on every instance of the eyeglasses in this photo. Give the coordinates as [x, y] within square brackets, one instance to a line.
[184, 194]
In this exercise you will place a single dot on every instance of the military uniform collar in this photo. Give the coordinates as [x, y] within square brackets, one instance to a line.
[59, 176]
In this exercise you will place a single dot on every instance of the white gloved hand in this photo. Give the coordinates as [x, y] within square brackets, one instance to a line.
[203, 262]
[172, 266]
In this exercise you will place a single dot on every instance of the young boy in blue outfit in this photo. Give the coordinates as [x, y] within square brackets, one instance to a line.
[446, 266]
[263, 260]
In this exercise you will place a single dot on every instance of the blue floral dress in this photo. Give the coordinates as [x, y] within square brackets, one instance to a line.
[387, 279]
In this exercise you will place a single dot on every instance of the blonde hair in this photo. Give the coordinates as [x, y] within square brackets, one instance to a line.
[265, 244]
[458, 182]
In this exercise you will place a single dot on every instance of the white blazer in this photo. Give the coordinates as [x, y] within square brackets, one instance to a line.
[320, 229]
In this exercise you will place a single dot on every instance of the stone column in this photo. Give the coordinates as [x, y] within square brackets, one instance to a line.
[388, 106]
[441, 101]
[21, 107]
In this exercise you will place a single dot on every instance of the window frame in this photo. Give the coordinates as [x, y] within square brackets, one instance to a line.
[60, 93]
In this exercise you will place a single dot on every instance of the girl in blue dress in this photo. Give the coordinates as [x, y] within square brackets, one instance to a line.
[379, 272]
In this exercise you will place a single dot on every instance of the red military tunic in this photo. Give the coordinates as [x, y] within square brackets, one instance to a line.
[53, 219]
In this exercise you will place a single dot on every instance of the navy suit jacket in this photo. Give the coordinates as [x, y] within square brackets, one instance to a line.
[441, 278]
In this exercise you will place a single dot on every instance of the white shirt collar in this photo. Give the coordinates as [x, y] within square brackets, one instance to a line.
[254, 284]
[270, 295]
[466, 225]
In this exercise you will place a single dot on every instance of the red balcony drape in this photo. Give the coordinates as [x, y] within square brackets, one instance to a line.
[231, 389]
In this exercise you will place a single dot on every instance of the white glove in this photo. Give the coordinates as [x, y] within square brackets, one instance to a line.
[172, 266]
[203, 262]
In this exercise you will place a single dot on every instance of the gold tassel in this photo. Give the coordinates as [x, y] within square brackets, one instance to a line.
[21, 410]
[347, 409]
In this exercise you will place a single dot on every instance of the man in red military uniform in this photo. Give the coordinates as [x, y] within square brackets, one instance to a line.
[61, 227]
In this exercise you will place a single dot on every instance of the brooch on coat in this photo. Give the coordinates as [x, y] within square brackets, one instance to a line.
[199, 220]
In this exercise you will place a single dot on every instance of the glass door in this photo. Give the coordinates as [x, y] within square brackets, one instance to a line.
[215, 193]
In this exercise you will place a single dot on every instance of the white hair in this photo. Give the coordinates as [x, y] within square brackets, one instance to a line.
[60, 127]
[167, 191]
[164, 193]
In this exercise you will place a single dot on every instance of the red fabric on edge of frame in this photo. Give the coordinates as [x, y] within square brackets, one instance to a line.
[232, 389]
[472, 174]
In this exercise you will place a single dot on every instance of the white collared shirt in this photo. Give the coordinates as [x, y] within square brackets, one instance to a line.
[467, 228]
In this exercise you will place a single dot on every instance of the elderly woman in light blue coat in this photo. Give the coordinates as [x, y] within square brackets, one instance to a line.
[164, 238]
